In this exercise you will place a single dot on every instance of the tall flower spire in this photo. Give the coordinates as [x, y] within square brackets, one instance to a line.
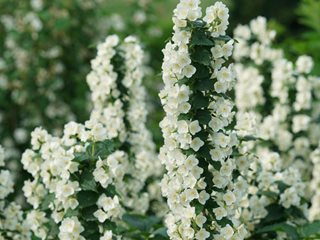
[13, 224]
[281, 95]
[203, 182]
[86, 180]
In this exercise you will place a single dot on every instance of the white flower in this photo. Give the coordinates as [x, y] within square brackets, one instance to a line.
[200, 220]
[38, 136]
[227, 48]
[221, 87]
[217, 17]
[196, 144]
[188, 71]
[203, 197]
[101, 215]
[194, 127]
[70, 229]
[220, 213]
[221, 139]
[227, 232]
[183, 94]
[37, 4]
[191, 161]
[208, 128]
[288, 81]
[202, 234]
[217, 154]
[229, 198]
[225, 75]
[192, 194]
[182, 127]
[215, 124]
[107, 235]
[57, 166]
[300, 123]
[6, 183]
[226, 168]
[304, 64]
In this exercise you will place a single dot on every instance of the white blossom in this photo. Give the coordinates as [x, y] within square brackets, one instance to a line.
[198, 148]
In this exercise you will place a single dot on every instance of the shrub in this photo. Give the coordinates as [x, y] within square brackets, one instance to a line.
[87, 180]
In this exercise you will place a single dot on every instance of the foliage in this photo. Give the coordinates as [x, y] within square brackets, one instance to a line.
[44, 56]
[85, 181]
[204, 183]
[308, 12]
[100, 179]
[277, 94]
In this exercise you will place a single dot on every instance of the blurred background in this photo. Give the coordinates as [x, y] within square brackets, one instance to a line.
[297, 24]
[46, 48]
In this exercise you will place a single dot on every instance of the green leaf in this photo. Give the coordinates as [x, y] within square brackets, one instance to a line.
[161, 232]
[202, 71]
[275, 214]
[87, 181]
[81, 157]
[204, 152]
[205, 84]
[309, 14]
[201, 78]
[224, 222]
[201, 55]
[97, 149]
[281, 227]
[91, 230]
[203, 135]
[71, 212]
[33, 237]
[197, 23]
[225, 38]
[282, 186]
[249, 138]
[211, 204]
[236, 174]
[111, 191]
[87, 213]
[204, 116]
[269, 194]
[199, 101]
[105, 148]
[200, 38]
[46, 201]
[295, 212]
[53, 228]
[111, 226]
[141, 222]
[198, 206]
[185, 116]
[87, 198]
[183, 81]
[310, 229]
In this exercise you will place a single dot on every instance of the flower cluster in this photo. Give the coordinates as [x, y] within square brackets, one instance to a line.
[315, 183]
[84, 181]
[203, 183]
[13, 225]
[279, 95]
[43, 55]
[119, 107]
[261, 49]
